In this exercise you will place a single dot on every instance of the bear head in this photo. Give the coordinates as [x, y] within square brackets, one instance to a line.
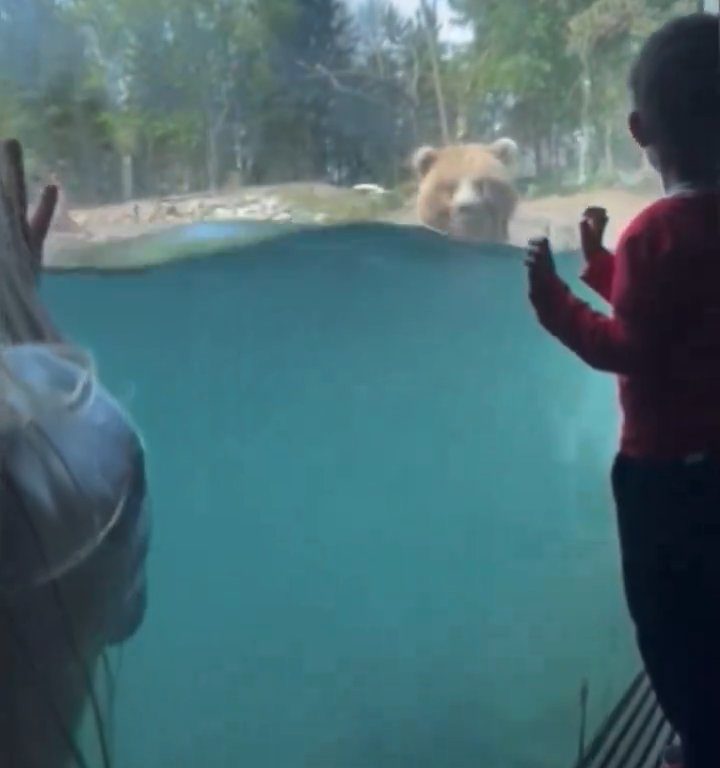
[466, 190]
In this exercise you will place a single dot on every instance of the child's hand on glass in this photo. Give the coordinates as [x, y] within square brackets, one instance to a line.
[539, 261]
[592, 229]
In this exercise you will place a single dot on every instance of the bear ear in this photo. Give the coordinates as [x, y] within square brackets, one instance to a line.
[506, 150]
[423, 160]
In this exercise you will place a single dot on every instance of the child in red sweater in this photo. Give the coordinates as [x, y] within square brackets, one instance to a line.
[663, 342]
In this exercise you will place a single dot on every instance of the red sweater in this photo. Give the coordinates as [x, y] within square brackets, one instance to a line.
[663, 339]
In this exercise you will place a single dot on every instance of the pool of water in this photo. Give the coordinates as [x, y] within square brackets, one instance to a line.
[383, 528]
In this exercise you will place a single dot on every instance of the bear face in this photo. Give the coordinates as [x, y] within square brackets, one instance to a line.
[466, 190]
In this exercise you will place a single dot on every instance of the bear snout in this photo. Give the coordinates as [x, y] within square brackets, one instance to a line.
[467, 198]
[468, 207]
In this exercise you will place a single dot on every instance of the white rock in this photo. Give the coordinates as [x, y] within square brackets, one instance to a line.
[375, 189]
[223, 213]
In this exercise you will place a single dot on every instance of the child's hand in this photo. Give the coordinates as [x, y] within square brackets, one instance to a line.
[592, 229]
[539, 261]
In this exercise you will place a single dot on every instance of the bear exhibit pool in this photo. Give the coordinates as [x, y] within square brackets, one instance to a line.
[383, 528]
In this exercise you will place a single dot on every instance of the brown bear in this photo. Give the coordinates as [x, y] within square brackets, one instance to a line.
[466, 190]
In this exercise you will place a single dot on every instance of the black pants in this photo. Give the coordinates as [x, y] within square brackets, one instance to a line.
[669, 523]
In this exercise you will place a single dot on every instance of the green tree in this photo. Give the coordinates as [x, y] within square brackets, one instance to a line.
[49, 101]
[519, 61]
[605, 37]
[307, 54]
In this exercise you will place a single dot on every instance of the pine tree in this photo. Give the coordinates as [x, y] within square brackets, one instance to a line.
[313, 53]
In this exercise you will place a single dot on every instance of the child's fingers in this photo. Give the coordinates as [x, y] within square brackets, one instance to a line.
[597, 218]
[532, 257]
[539, 245]
[538, 258]
[595, 211]
[538, 248]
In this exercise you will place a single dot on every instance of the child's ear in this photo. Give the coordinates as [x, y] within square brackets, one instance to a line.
[638, 130]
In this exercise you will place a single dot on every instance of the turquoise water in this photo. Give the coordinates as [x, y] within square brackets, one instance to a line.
[383, 529]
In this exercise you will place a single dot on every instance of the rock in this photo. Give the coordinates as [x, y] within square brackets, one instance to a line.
[375, 189]
[172, 210]
[223, 214]
[156, 213]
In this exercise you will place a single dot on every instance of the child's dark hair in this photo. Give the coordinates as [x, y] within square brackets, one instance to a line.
[675, 83]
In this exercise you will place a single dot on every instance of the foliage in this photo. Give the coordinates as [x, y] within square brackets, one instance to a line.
[192, 93]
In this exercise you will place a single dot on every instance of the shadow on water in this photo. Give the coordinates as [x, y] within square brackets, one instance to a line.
[383, 533]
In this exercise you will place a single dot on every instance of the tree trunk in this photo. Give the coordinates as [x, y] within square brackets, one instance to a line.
[435, 64]
[585, 126]
[379, 63]
[461, 124]
[84, 147]
[539, 158]
[127, 180]
[211, 158]
[555, 152]
[240, 150]
[154, 176]
[215, 127]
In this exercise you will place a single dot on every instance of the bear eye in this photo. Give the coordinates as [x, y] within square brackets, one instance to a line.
[448, 187]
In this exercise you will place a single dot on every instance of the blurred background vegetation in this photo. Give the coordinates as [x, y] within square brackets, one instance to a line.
[132, 98]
